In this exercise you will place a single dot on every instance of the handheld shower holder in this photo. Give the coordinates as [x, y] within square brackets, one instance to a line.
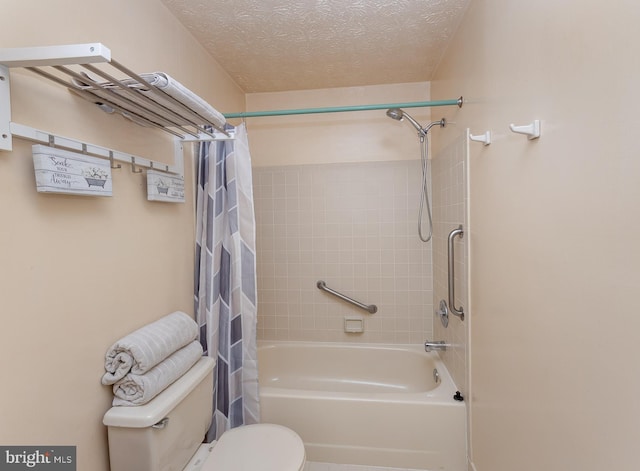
[399, 114]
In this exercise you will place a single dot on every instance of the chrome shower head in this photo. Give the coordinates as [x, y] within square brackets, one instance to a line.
[395, 113]
[399, 115]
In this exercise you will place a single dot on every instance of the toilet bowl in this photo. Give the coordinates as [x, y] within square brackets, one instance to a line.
[259, 447]
[167, 433]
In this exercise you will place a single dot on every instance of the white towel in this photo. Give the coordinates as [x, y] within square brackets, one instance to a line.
[162, 81]
[181, 93]
[135, 390]
[144, 348]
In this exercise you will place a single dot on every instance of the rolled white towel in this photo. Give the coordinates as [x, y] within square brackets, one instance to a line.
[135, 390]
[163, 82]
[144, 348]
[176, 90]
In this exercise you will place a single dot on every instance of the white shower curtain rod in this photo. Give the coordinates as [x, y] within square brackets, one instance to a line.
[338, 109]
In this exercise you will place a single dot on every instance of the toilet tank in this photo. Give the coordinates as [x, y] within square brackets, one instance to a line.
[163, 434]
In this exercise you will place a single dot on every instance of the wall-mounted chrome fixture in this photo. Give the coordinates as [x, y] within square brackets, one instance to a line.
[400, 115]
[371, 308]
[484, 138]
[532, 131]
[443, 313]
[438, 345]
[444, 309]
[450, 254]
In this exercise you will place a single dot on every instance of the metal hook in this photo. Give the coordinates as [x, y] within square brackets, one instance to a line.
[113, 165]
[134, 169]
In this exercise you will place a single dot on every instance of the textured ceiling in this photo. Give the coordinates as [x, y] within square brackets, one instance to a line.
[278, 45]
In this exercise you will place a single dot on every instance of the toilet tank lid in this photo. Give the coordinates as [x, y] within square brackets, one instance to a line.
[160, 406]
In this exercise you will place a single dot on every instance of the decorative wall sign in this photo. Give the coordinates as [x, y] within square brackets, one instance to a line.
[165, 187]
[61, 171]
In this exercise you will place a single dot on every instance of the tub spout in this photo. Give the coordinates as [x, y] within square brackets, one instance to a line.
[439, 345]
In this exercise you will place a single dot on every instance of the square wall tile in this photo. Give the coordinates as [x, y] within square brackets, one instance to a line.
[352, 225]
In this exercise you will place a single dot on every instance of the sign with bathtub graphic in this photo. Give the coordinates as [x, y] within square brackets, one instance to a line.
[43, 458]
[61, 171]
[165, 187]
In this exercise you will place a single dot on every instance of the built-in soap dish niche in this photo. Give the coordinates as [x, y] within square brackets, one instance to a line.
[353, 325]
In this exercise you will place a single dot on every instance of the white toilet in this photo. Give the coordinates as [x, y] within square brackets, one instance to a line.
[166, 434]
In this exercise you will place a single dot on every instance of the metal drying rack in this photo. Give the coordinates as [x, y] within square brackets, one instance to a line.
[69, 66]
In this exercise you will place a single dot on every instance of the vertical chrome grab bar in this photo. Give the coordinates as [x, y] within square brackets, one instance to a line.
[372, 308]
[450, 255]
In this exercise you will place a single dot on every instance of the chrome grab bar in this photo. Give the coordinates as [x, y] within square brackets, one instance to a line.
[450, 255]
[372, 308]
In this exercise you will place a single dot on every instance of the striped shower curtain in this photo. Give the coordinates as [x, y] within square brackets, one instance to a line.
[225, 279]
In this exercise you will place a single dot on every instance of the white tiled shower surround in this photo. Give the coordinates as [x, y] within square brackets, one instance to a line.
[450, 203]
[353, 225]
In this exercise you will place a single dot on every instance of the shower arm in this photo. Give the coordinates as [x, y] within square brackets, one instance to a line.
[421, 131]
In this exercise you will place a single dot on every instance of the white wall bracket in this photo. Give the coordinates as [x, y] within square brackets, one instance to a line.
[484, 138]
[532, 131]
[39, 56]
[55, 55]
[5, 109]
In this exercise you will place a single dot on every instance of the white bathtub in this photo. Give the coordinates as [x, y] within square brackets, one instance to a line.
[375, 405]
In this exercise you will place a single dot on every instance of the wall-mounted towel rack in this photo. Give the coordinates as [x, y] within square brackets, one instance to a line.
[371, 308]
[148, 99]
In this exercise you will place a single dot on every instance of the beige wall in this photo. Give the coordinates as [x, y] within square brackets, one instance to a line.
[337, 199]
[78, 273]
[554, 267]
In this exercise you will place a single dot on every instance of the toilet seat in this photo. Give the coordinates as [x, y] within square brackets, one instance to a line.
[257, 447]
